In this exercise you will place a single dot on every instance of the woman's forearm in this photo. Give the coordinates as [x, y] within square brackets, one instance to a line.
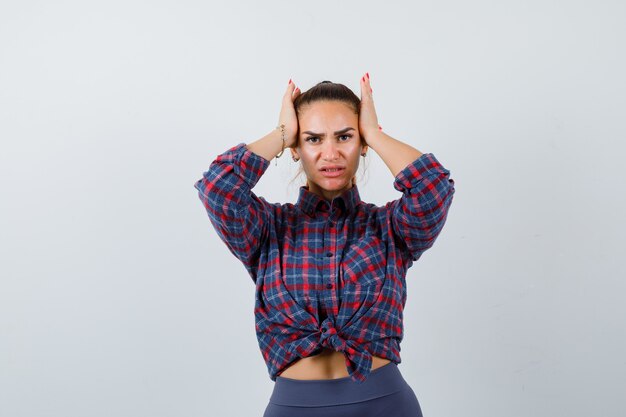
[268, 146]
[396, 154]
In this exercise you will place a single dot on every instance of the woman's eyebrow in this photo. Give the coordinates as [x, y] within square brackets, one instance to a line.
[339, 132]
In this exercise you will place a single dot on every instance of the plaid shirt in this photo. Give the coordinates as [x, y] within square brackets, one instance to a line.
[327, 273]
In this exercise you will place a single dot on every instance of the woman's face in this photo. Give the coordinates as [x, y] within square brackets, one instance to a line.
[328, 137]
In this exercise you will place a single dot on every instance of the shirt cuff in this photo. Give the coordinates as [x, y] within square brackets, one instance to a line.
[425, 165]
[246, 164]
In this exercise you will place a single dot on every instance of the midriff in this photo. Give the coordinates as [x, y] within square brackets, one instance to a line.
[329, 364]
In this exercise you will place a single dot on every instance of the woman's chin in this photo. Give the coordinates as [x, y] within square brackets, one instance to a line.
[333, 183]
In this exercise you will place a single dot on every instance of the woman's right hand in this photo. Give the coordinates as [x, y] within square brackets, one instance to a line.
[288, 115]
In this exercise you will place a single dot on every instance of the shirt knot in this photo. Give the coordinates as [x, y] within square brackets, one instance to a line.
[330, 339]
[358, 360]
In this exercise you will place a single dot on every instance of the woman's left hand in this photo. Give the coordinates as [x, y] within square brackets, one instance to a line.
[368, 121]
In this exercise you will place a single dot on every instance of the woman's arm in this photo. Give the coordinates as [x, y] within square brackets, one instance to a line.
[241, 218]
[416, 219]
[268, 146]
[396, 154]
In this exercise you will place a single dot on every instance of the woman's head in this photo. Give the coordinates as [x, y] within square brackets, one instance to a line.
[328, 135]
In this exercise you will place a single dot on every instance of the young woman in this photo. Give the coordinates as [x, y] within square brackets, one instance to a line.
[330, 269]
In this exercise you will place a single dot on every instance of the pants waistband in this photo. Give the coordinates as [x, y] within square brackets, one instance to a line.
[381, 381]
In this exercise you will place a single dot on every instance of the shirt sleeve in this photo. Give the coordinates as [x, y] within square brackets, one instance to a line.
[419, 215]
[240, 217]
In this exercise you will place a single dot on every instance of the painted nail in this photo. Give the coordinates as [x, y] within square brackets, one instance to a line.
[371, 90]
[379, 127]
[289, 81]
[368, 75]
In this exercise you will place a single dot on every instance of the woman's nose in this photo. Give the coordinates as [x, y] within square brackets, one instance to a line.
[330, 151]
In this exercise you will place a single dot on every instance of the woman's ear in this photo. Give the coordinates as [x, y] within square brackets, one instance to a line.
[294, 154]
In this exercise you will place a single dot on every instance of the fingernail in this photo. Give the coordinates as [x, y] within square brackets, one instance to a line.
[380, 128]
[371, 90]
[363, 78]
[289, 81]
[368, 75]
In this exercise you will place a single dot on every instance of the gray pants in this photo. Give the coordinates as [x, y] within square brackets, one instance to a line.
[384, 393]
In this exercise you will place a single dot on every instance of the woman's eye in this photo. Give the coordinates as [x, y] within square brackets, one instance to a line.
[311, 138]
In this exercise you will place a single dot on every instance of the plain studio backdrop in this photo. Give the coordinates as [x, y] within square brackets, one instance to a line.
[117, 297]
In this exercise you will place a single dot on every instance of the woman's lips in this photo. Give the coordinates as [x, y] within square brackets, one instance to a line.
[334, 173]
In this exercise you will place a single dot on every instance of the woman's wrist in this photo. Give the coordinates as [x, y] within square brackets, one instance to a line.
[281, 127]
[374, 137]
[269, 145]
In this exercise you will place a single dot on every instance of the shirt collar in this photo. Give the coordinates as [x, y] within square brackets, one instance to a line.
[310, 203]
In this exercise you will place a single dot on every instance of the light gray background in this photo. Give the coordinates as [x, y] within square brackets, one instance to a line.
[117, 298]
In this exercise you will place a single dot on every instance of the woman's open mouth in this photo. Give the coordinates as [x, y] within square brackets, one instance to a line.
[332, 172]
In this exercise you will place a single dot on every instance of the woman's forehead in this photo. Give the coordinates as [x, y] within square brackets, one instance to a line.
[327, 115]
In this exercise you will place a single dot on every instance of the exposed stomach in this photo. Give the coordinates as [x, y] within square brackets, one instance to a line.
[329, 364]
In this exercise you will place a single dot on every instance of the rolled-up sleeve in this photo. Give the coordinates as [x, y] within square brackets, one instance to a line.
[418, 217]
[240, 217]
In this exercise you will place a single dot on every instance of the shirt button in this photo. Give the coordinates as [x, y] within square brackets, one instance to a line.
[329, 254]
[329, 286]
